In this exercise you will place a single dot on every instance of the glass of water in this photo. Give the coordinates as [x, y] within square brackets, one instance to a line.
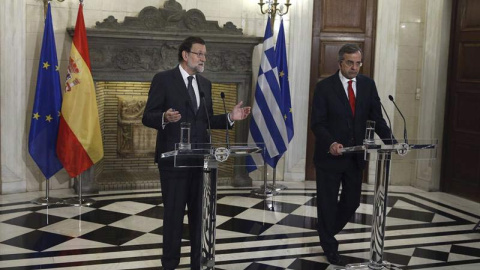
[370, 132]
[184, 136]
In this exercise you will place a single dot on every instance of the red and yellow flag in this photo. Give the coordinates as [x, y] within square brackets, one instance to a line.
[79, 144]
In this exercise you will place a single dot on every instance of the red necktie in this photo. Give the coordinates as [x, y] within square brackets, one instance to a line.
[351, 97]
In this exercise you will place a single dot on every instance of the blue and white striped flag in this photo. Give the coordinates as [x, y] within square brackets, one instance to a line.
[267, 125]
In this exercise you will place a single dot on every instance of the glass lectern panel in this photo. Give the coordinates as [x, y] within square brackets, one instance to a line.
[415, 149]
[195, 154]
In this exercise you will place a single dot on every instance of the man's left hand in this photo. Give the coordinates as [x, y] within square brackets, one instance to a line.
[239, 112]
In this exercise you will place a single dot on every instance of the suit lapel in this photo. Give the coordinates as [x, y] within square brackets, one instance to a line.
[360, 95]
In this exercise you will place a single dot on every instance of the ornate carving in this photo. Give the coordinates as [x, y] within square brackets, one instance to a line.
[134, 139]
[131, 109]
[170, 18]
[127, 58]
[124, 57]
[109, 22]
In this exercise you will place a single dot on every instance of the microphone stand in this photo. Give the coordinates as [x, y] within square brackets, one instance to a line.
[404, 121]
[202, 95]
[389, 123]
[227, 136]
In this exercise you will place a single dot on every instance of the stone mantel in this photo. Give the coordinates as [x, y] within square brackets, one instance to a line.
[139, 47]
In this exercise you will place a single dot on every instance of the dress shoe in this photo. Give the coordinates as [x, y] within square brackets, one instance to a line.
[333, 257]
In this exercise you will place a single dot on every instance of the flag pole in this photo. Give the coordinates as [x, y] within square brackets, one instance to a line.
[47, 200]
[274, 185]
[79, 201]
[264, 191]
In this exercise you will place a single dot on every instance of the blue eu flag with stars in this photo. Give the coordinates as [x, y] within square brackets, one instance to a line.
[45, 117]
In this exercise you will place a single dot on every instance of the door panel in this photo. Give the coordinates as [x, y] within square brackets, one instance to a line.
[461, 157]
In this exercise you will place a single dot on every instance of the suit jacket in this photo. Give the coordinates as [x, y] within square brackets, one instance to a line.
[332, 120]
[168, 90]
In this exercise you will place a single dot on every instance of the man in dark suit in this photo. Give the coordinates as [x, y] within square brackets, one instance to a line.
[175, 95]
[342, 104]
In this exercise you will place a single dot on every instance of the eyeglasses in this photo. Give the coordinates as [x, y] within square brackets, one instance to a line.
[200, 55]
[350, 64]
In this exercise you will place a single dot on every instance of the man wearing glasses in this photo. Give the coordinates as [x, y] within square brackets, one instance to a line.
[342, 104]
[175, 96]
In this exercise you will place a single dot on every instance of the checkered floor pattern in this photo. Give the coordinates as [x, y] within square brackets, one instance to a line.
[123, 231]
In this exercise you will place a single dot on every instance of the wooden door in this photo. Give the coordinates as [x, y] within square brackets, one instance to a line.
[461, 156]
[336, 22]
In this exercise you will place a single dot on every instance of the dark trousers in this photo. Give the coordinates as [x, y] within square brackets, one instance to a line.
[334, 214]
[181, 187]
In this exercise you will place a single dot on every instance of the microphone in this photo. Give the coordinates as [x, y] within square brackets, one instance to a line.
[202, 95]
[389, 123]
[404, 121]
[227, 137]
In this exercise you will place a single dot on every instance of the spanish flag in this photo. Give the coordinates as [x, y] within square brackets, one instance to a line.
[79, 144]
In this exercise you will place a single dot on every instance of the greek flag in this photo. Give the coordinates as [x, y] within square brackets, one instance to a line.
[267, 125]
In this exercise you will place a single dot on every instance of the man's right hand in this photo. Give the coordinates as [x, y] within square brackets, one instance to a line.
[335, 149]
[171, 116]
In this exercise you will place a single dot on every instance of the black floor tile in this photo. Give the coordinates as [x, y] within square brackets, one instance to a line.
[311, 202]
[34, 220]
[300, 264]
[396, 258]
[102, 216]
[229, 210]
[274, 206]
[37, 240]
[154, 212]
[245, 226]
[431, 254]
[259, 266]
[368, 199]
[411, 215]
[299, 222]
[112, 235]
[465, 250]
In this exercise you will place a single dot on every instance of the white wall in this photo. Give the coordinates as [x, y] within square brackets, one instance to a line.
[13, 96]
[19, 70]
[21, 30]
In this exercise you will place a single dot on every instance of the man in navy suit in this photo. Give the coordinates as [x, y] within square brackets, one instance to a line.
[175, 95]
[342, 103]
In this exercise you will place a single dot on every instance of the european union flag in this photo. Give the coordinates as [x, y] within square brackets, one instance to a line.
[286, 106]
[42, 139]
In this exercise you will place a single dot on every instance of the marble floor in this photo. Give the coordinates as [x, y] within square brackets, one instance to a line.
[122, 230]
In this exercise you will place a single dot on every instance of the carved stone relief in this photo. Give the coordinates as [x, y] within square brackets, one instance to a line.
[134, 139]
[170, 18]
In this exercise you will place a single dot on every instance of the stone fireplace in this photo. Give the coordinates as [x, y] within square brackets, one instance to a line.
[125, 57]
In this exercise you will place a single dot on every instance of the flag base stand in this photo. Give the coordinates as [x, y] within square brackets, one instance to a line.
[275, 187]
[79, 201]
[263, 192]
[47, 200]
